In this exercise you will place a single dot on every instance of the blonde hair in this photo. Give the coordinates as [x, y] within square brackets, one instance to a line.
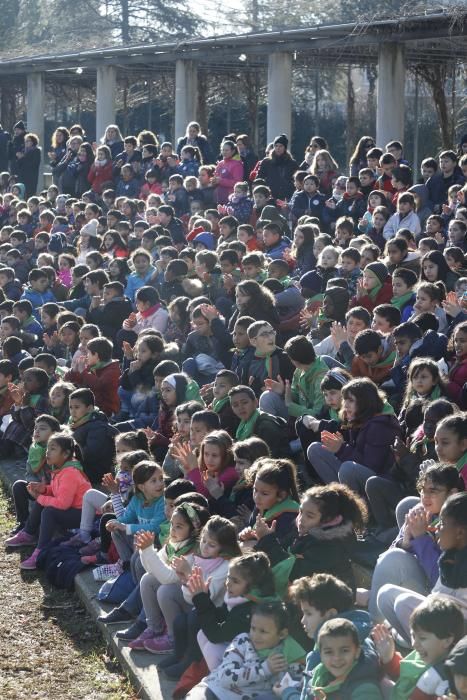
[330, 163]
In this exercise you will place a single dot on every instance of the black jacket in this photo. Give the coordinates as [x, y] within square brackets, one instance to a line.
[96, 438]
[110, 317]
[278, 171]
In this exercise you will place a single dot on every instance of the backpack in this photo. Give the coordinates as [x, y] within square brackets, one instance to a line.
[117, 589]
[61, 564]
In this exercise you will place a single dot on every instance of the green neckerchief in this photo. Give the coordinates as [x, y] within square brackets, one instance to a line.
[218, 404]
[286, 281]
[373, 292]
[238, 486]
[28, 321]
[387, 361]
[434, 394]
[460, 464]
[325, 683]
[291, 649]
[245, 428]
[314, 298]
[36, 456]
[282, 572]
[267, 361]
[192, 392]
[81, 421]
[34, 399]
[388, 410]
[70, 463]
[261, 277]
[411, 669]
[99, 365]
[286, 506]
[164, 531]
[400, 302]
[333, 414]
[173, 551]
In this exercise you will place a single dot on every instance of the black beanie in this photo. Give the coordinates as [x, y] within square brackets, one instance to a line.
[20, 125]
[379, 269]
[282, 139]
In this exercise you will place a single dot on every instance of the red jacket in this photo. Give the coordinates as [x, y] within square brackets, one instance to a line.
[103, 383]
[384, 296]
[457, 379]
[99, 176]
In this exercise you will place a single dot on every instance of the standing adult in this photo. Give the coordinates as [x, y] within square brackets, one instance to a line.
[278, 169]
[228, 171]
[317, 143]
[113, 139]
[249, 158]
[194, 137]
[358, 158]
[28, 164]
[58, 149]
[16, 145]
[66, 169]
[5, 140]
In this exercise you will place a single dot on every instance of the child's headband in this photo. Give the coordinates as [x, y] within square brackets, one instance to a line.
[338, 377]
[170, 379]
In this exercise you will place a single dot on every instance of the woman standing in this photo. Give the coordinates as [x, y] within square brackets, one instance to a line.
[278, 169]
[29, 163]
[194, 137]
[228, 171]
[58, 149]
[113, 139]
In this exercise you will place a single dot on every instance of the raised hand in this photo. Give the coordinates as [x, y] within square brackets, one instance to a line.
[277, 663]
[384, 643]
[332, 441]
[185, 455]
[262, 528]
[278, 387]
[108, 480]
[143, 539]
[196, 583]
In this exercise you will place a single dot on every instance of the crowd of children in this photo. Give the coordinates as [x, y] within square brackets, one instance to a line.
[233, 381]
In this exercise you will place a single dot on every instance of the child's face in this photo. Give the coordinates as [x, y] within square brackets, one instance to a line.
[424, 303]
[190, 263]
[227, 267]
[241, 465]
[57, 397]
[144, 352]
[327, 259]
[243, 406]
[240, 337]
[381, 324]
[208, 546]
[309, 186]
[270, 238]
[31, 385]
[399, 287]
[373, 163]
[423, 382]
[40, 285]
[343, 234]
[201, 325]
[260, 200]
[333, 398]
[42, 432]
[387, 168]
[430, 270]
[348, 264]
[312, 618]
[264, 633]
[153, 487]
[3, 280]
[460, 343]
[431, 648]
[394, 254]
[213, 457]
[265, 495]
[235, 584]
[168, 393]
[141, 264]
[365, 181]
[198, 430]
[179, 528]
[433, 496]
[251, 271]
[351, 188]
[92, 358]
[403, 345]
[354, 326]
[308, 517]
[455, 233]
[265, 341]
[371, 358]
[338, 654]
[6, 330]
[404, 208]
[370, 281]
[449, 448]
[427, 172]
[183, 421]
[221, 387]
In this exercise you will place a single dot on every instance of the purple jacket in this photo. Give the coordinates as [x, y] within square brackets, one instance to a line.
[370, 445]
[426, 550]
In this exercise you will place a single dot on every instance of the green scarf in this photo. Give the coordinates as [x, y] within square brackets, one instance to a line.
[218, 404]
[267, 361]
[99, 365]
[70, 463]
[175, 550]
[164, 531]
[286, 281]
[460, 464]
[245, 428]
[33, 400]
[325, 683]
[192, 392]
[286, 506]
[333, 414]
[434, 394]
[373, 293]
[28, 321]
[411, 669]
[81, 421]
[314, 298]
[36, 457]
[293, 652]
[387, 361]
[400, 302]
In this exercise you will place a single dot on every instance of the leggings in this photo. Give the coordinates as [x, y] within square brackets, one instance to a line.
[161, 602]
[93, 501]
[46, 520]
[22, 500]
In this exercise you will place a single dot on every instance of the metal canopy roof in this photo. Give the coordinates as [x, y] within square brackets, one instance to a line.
[432, 37]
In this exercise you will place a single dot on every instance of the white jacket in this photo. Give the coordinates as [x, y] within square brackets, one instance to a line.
[157, 563]
[158, 321]
[216, 586]
[411, 221]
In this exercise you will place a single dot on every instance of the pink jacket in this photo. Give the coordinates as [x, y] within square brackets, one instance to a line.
[228, 477]
[66, 489]
[229, 171]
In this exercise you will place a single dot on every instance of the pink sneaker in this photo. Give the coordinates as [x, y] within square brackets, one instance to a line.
[160, 645]
[31, 562]
[139, 642]
[21, 539]
[91, 548]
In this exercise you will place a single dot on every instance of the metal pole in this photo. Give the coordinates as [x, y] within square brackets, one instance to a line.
[416, 130]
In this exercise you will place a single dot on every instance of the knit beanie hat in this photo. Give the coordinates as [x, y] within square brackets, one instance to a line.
[20, 125]
[282, 139]
[379, 269]
[206, 239]
[311, 280]
[90, 228]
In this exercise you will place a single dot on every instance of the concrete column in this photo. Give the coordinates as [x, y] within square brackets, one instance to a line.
[279, 120]
[390, 96]
[35, 100]
[106, 90]
[186, 95]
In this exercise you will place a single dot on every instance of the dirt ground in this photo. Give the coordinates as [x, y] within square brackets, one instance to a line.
[49, 646]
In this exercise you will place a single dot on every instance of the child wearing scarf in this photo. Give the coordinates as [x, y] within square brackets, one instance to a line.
[374, 287]
[101, 375]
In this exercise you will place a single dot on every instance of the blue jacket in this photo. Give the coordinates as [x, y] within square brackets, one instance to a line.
[304, 203]
[138, 516]
[36, 298]
[130, 188]
[277, 252]
[135, 282]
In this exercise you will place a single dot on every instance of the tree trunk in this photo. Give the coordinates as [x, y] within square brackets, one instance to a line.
[125, 23]
[350, 114]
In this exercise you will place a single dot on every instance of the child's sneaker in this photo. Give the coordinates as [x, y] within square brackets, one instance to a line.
[30, 563]
[78, 540]
[160, 645]
[95, 559]
[139, 642]
[21, 539]
[91, 548]
[107, 571]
